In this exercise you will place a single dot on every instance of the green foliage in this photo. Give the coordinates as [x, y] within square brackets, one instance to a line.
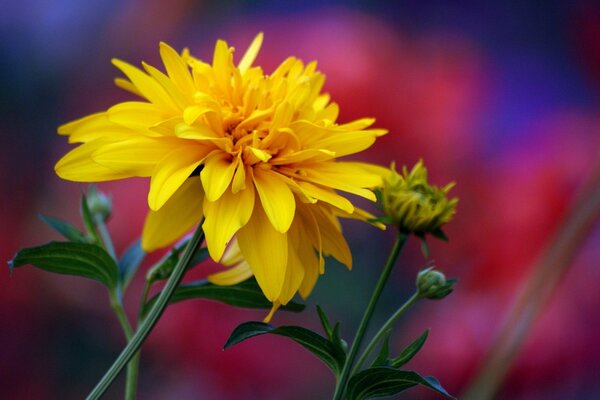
[65, 229]
[245, 294]
[410, 351]
[80, 259]
[129, 262]
[387, 381]
[313, 342]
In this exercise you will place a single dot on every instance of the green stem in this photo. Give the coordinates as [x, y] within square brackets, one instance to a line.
[134, 364]
[117, 306]
[152, 317]
[364, 324]
[384, 329]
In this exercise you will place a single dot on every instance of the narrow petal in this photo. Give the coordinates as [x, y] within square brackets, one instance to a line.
[224, 217]
[334, 242]
[251, 53]
[137, 156]
[217, 174]
[170, 173]
[177, 69]
[276, 198]
[231, 276]
[294, 272]
[178, 215]
[136, 114]
[78, 165]
[147, 86]
[326, 195]
[266, 251]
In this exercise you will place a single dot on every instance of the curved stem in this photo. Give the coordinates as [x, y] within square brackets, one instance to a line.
[152, 317]
[383, 330]
[364, 324]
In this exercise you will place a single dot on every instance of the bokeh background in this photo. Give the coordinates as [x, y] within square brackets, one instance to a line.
[502, 97]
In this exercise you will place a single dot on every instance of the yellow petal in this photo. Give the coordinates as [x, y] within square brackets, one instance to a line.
[147, 86]
[233, 255]
[345, 176]
[224, 217]
[137, 156]
[217, 174]
[308, 155]
[276, 198]
[334, 242]
[231, 276]
[177, 69]
[178, 215]
[300, 240]
[266, 252]
[326, 195]
[136, 114]
[170, 173]
[78, 165]
[294, 273]
[95, 126]
[251, 53]
[181, 100]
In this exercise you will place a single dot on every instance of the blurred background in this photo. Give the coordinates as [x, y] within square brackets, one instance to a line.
[502, 97]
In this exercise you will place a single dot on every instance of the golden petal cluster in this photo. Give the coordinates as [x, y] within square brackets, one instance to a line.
[255, 155]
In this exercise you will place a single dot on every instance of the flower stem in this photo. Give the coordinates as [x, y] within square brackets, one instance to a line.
[364, 324]
[384, 329]
[152, 317]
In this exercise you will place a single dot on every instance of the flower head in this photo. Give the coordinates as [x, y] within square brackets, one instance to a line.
[432, 284]
[414, 205]
[255, 155]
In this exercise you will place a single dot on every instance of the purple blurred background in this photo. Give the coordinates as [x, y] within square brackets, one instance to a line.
[503, 98]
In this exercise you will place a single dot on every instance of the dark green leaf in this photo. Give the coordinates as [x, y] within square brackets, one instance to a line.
[129, 262]
[339, 345]
[324, 322]
[409, 352]
[164, 268]
[387, 381]
[313, 342]
[424, 246]
[64, 228]
[384, 352]
[245, 294]
[438, 233]
[81, 259]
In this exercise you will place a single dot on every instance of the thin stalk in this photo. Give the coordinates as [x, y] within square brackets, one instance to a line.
[547, 274]
[383, 330]
[134, 364]
[151, 318]
[364, 324]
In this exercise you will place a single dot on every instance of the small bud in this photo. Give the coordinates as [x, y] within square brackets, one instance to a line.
[414, 205]
[432, 284]
[99, 204]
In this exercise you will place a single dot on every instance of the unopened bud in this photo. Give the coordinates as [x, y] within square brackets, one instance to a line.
[99, 204]
[432, 284]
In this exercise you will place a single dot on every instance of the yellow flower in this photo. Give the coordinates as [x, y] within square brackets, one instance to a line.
[414, 205]
[254, 154]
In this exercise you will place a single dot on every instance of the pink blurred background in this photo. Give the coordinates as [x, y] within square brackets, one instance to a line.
[501, 98]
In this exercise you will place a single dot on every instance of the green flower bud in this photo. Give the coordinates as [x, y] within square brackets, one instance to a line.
[432, 284]
[414, 205]
[99, 204]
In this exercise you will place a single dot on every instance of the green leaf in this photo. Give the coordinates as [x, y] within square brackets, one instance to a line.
[313, 342]
[163, 269]
[88, 219]
[324, 322]
[339, 345]
[424, 246]
[129, 263]
[387, 381]
[410, 351]
[245, 294]
[80, 259]
[64, 228]
[439, 233]
[384, 352]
